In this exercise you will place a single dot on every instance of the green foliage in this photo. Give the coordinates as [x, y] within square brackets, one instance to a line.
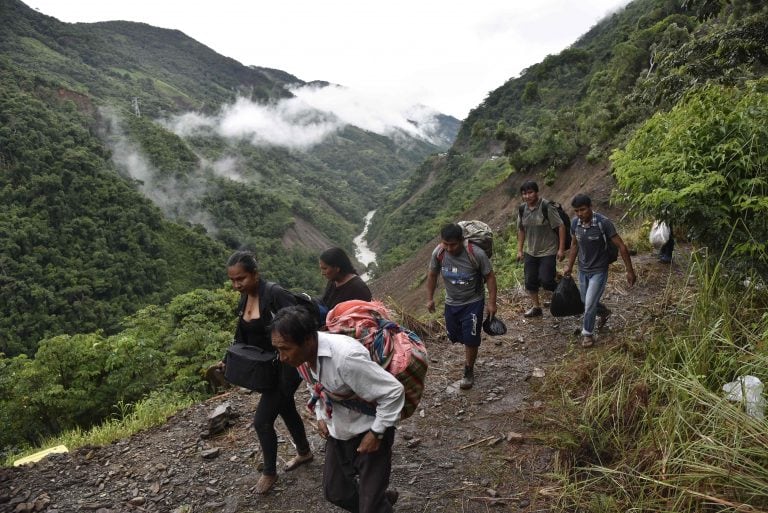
[75, 381]
[81, 248]
[589, 99]
[703, 166]
[509, 272]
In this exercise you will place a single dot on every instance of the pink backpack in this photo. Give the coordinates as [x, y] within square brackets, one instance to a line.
[400, 351]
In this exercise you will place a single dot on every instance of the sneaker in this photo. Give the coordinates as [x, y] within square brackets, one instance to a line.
[468, 380]
[392, 496]
[603, 318]
[533, 312]
[587, 341]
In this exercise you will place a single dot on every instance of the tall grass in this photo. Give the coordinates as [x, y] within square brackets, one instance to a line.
[129, 419]
[655, 433]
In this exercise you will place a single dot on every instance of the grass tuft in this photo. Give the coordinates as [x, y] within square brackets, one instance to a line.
[654, 430]
[128, 420]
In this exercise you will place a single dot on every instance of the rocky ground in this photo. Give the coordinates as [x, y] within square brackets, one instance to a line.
[464, 451]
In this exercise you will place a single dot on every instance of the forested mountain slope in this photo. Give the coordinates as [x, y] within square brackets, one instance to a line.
[120, 188]
[585, 101]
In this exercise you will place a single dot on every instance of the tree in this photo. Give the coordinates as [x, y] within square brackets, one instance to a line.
[703, 165]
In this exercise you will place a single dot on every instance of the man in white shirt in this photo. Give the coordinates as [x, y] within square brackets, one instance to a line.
[357, 404]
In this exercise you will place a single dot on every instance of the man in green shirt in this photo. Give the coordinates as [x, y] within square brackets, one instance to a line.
[540, 240]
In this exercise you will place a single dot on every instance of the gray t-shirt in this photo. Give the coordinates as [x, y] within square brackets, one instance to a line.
[464, 282]
[540, 236]
[593, 256]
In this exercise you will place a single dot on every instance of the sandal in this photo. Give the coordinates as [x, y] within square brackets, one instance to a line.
[265, 483]
[298, 460]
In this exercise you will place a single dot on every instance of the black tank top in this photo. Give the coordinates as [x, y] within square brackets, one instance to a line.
[256, 333]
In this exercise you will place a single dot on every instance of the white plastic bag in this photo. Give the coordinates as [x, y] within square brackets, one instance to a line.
[659, 234]
[748, 389]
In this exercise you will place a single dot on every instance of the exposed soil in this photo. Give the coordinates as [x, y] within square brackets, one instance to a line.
[464, 451]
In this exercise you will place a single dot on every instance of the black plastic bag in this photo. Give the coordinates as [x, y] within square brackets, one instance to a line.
[566, 299]
[494, 326]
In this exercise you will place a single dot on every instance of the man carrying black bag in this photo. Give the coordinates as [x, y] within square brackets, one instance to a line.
[596, 244]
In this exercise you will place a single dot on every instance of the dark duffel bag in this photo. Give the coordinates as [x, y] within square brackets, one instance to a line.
[251, 367]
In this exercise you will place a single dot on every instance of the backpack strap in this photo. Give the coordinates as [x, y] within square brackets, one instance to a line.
[544, 208]
[599, 219]
[241, 304]
[269, 296]
[440, 254]
[319, 393]
[471, 254]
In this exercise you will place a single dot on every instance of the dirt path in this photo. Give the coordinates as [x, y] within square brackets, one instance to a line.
[464, 451]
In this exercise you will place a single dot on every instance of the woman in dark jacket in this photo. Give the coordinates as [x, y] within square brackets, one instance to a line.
[259, 300]
[343, 282]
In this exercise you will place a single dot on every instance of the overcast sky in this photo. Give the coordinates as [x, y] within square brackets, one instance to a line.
[442, 53]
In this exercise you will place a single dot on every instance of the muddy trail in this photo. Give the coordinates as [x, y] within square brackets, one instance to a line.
[479, 450]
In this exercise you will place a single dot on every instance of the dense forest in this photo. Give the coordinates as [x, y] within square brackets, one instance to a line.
[107, 207]
[591, 99]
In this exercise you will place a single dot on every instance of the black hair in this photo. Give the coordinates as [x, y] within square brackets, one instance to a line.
[245, 258]
[294, 323]
[452, 232]
[581, 200]
[336, 257]
[530, 185]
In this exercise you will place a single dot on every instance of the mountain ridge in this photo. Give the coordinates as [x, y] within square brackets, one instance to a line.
[110, 83]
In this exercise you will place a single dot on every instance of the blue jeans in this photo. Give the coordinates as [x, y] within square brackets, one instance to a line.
[592, 286]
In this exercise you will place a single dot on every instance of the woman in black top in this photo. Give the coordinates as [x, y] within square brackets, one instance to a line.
[259, 299]
[343, 282]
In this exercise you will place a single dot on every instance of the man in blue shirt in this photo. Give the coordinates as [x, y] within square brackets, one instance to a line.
[592, 234]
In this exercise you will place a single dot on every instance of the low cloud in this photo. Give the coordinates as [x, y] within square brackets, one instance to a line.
[309, 117]
[228, 167]
[170, 195]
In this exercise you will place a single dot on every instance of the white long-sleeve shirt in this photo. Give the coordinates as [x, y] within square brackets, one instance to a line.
[344, 366]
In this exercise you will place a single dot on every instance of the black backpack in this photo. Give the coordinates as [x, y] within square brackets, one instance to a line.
[318, 310]
[312, 304]
[560, 212]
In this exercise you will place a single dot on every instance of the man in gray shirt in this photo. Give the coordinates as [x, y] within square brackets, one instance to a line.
[465, 269]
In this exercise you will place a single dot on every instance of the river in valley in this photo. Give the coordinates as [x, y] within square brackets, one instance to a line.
[363, 253]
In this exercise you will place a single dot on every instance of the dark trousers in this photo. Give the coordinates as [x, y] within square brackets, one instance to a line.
[665, 253]
[539, 272]
[279, 401]
[357, 482]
